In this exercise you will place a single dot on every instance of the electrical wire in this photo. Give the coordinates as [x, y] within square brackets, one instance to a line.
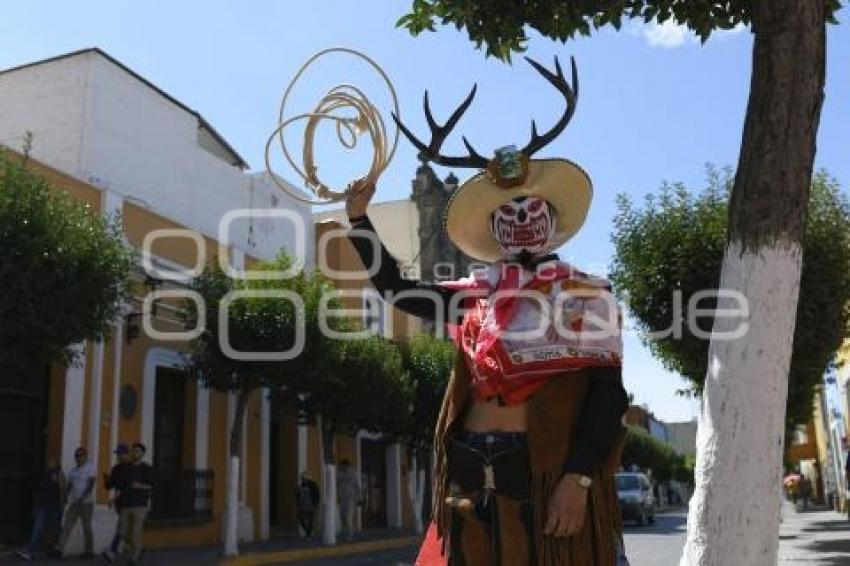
[367, 119]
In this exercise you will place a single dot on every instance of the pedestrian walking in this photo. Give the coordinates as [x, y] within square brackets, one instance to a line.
[115, 482]
[805, 491]
[80, 499]
[49, 494]
[308, 500]
[348, 492]
[135, 496]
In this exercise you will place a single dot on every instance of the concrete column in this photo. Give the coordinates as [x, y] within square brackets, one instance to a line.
[118, 345]
[231, 414]
[72, 420]
[95, 400]
[265, 461]
[111, 202]
[243, 472]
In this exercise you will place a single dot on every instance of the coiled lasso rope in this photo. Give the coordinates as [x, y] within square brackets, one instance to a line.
[367, 119]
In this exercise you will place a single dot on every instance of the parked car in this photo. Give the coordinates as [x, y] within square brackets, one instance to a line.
[634, 492]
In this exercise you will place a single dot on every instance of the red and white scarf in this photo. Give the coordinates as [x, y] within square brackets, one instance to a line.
[522, 327]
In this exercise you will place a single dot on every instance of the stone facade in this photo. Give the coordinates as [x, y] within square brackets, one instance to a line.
[439, 258]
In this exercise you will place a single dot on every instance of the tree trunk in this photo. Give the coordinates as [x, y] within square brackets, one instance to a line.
[734, 513]
[329, 506]
[416, 491]
[231, 513]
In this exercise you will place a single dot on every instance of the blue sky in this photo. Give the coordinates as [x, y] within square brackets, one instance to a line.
[654, 105]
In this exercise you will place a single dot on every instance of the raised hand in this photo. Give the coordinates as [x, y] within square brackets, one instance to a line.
[357, 198]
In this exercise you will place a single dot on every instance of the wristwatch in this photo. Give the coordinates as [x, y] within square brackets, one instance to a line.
[582, 481]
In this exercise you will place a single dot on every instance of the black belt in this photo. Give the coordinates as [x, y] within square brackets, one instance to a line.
[481, 471]
[505, 472]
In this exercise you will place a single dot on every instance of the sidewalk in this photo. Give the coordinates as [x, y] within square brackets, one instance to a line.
[815, 537]
[283, 549]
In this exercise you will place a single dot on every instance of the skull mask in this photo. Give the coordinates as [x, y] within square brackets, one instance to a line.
[523, 226]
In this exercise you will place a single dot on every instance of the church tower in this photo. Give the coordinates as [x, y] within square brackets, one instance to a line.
[439, 258]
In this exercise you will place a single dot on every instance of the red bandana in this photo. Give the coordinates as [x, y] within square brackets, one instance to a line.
[513, 367]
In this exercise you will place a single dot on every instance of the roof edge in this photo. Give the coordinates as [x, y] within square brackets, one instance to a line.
[202, 122]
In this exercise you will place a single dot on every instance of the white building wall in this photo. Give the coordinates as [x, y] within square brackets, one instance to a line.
[97, 122]
[142, 144]
[47, 100]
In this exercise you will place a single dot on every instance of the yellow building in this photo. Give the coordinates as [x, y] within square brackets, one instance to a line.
[814, 450]
[119, 143]
[133, 387]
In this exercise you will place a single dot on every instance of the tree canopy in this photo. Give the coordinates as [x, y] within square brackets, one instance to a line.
[359, 385]
[500, 25]
[674, 244]
[353, 383]
[256, 324]
[648, 453]
[428, 362]
[64, 269]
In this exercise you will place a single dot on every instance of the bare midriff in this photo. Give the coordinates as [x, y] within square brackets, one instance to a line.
[490, 416]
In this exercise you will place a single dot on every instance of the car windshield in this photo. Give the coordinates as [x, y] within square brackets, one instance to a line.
[627, 483]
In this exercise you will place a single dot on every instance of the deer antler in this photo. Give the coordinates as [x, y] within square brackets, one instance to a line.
[474, 160]
[570, 93]
[439, 134]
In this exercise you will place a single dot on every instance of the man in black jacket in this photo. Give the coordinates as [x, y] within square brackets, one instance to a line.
[116, 481]
[135, 495]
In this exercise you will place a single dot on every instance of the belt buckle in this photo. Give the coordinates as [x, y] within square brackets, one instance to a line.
[489, 477]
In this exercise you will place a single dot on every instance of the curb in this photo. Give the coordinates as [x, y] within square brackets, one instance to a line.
[284, 556]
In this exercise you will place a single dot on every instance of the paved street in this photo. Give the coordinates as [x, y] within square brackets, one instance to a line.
[812, 538]
[654, 545]
[659, 544]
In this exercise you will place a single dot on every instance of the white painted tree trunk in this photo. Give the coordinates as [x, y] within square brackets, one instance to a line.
[231, 511]
[416, 493]
[734, 513]
[329, 508]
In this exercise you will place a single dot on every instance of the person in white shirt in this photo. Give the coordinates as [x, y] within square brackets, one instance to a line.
[80, 500]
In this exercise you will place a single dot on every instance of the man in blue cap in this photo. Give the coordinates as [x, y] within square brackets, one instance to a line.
[115, 481]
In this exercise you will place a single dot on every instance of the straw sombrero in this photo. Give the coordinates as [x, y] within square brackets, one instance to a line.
[510, 174]
[560, 182]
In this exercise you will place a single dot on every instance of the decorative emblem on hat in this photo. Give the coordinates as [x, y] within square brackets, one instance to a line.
[509, 167]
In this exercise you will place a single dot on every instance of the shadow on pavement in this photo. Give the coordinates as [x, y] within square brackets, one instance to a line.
[833, 561]
[831, 547]
[836, 525]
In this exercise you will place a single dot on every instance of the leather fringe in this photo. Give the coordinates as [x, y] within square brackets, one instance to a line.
[597, 544]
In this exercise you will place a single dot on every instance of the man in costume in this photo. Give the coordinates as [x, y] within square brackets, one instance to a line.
[530, 431]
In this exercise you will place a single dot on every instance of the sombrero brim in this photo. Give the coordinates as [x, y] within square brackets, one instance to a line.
[562, 183]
